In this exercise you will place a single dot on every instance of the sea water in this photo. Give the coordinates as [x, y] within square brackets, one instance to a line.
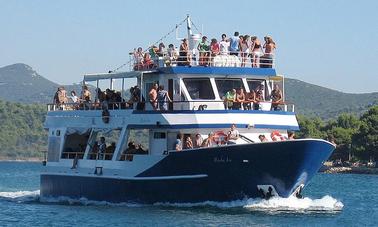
[330, 199]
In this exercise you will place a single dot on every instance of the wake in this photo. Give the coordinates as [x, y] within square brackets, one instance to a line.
[292, 204]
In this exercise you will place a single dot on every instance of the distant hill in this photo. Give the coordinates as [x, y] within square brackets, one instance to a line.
[20, 83]
[314, 100]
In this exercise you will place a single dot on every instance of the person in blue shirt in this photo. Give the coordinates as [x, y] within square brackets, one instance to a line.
[234, 44]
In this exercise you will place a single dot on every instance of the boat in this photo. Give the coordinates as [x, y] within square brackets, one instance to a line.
[146, 161]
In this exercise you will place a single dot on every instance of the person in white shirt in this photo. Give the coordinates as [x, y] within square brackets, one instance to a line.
[232, 135]
[224, 45]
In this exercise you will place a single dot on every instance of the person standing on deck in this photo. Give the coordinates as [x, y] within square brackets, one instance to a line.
[163, 98]
[153, 96]
[101, 148]
[276, 97]
[234, 44]
[86, 97]
[224, 45]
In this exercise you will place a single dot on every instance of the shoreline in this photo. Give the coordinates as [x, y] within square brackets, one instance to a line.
[349, 170]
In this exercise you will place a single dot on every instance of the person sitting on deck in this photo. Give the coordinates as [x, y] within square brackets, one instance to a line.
[198, 141]
[229, 99]
[161, 50]
[131, 148]
[110, 151]
[291, 135]
[203, 48]
[153, 96]
[232, 135]
[239, 99]
[163, 98]
[178, 142]
[188, 143]
[262, 138]
[276, 97]
[209, 141]
[148, 63]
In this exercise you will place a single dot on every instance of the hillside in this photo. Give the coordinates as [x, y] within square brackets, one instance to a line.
[314, 100]
[20, 83]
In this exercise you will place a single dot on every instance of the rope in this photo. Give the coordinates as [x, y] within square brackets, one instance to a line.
[196, 28]
[149, 47]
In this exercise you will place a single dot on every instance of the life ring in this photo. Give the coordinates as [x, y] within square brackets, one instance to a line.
[220, 137]
[276, 136]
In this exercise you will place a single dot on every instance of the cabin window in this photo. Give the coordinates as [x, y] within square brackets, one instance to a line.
[110, 137]
[75, 143]
[253, 84]
[57, 132]
[137, 144]
[225, 85]
[159, 135]
[199, 88]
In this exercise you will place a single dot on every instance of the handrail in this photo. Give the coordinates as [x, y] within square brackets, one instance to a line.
[68, 155]
[141, 105]
[100, 156]
[205, 58]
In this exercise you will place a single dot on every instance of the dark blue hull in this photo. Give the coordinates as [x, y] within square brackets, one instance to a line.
[224, 173]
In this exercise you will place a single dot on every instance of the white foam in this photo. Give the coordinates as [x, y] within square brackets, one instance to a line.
[20, 196]
[291, 204]
[275, 204]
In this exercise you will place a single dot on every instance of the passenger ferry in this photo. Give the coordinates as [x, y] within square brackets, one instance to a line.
[156, 171]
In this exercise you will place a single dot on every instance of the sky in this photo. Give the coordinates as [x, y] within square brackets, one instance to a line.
[331, 43]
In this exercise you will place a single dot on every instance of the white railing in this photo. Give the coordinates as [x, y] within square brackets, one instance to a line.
[204, 58]
[196, 105]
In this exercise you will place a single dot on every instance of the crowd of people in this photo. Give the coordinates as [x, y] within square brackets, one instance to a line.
[247, 48]
[83, 102]
[217, 138]
[237, 99]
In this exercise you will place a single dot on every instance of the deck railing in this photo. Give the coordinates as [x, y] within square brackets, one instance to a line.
[196, 105]
[204, 58]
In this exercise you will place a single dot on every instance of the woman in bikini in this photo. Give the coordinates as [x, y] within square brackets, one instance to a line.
[269, 47]
[184, 56]
[244, 48]
[256, 51]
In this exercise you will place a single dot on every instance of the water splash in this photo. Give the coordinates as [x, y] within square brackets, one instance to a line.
[20, 196]
[273, 205]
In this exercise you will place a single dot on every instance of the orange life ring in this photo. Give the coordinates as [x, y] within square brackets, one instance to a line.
[220, 137]
[276, 136]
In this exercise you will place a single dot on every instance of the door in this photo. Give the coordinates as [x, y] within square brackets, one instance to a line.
[158, 143]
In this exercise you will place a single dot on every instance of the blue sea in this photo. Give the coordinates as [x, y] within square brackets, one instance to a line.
[330, 199]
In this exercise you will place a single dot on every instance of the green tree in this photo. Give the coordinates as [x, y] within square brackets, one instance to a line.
[365, 141]
[310, 127]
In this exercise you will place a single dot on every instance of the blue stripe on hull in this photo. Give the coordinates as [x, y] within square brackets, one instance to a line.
[233, 173]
